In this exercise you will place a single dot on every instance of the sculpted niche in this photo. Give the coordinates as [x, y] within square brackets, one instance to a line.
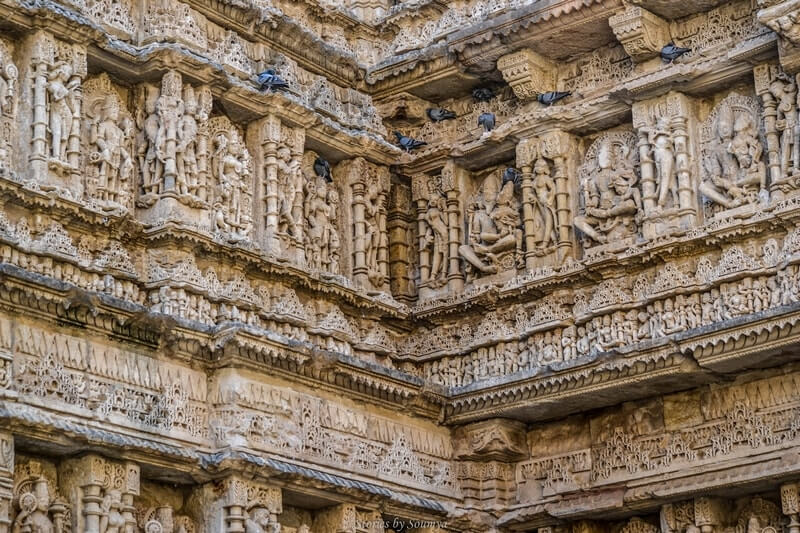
[321, 217]
[733, 171]
[609, 197]
[493, 237]
[9, 80]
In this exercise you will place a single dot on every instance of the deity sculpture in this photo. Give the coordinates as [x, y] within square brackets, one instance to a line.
[610, 197]
[734, 172]
[260, 521]
[435, 239]
[8, 82]
[494, 237]
[110, 164]
[37, 513]
[544, 192]
[231, 171]
[62, 91]
[147, 141]
[663, 153]
[373, 234]
[291, 192]
[784, 90]
[186, 150]
[320, 211]
[112, 520]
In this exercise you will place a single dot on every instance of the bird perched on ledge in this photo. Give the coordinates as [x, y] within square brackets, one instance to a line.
[482, 94]
[486, 120]
[437, 114]
[511, 174]
[269, 80]
[407, 143]
[670, 52]
[552, 97]
[323, 169]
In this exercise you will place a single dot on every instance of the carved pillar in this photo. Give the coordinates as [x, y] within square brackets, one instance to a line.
[667, 156]
[419, 195]
[708, 513]
[271, 135]
[358, 186]
[97, 479]
[399, 225]
[245, 500]
[450, 180]
[204, 99]
[6, 480]
[526, 154]
[763, 76]
[558, 146]
[337, 519]
[790, 505]
[384, 182]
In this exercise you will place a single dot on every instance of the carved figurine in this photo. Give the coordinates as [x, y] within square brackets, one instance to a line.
[62, 90]
[435, 239]
[610, 194]
[544, 192]
[110, 156]
[493, 232]
[663, 152]
[320, 213]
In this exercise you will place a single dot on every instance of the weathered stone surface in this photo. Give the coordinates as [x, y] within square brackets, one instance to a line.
[224, 309]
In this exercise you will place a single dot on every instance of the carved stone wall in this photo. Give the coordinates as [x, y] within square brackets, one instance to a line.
[229, 307]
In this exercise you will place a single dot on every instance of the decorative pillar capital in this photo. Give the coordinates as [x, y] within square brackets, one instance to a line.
[527, 151]
[555, 144]
[640, 32]
[528, 73]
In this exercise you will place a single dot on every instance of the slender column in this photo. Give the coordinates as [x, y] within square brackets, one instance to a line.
[763, 77]
[6, 480]
[246, 499]
[38, 155]
[558, 146]
[647, 169]
[271, 136]
[204, 99]
[383, 242]
[360, 271]
[682, 161]
[419, 195]
[455, 277]
[130, 491]
[526, 153]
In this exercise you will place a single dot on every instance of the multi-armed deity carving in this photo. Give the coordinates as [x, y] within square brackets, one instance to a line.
[321, 215]
[290, 188]
[733, 172]
[9, 77]
[108, 141]
[232, 189]
[667, 174]
[609, 197]
[778, 92]
[172, 148]
[493, 239]
[56, 72]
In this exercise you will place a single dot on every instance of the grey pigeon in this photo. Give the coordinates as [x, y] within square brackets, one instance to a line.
[487, 121]
[407, 143]
[323, 169]
[670, 52]
[269, 80]
[552, 97]
[482, 94]
[437, 114]
[511, 174]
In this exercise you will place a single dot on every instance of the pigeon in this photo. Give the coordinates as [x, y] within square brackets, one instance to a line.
[482, 94]
[511, 174]
[269, 80]
[552, 97]
[671, 52]
[437, 114]
[407, 143]
[487, 121]
[323, 169]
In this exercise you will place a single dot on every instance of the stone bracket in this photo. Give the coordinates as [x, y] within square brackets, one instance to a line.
[528, 73]
[640, 32]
